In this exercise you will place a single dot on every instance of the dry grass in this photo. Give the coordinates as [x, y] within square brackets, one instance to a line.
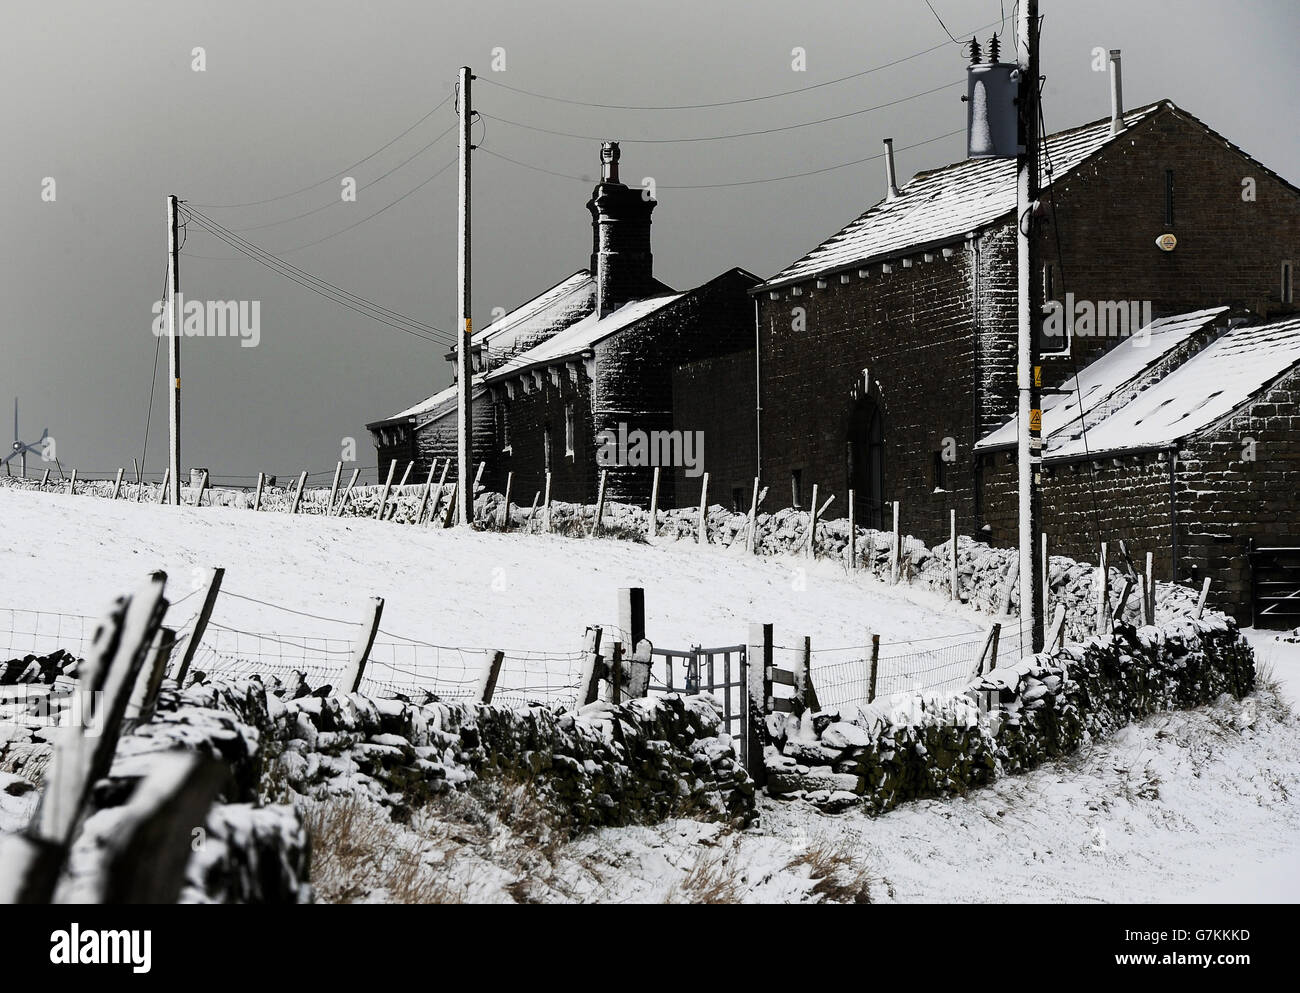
[711, 879]
[841, 875]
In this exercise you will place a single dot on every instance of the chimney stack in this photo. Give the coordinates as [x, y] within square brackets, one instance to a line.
[621, 263]
[1116, 93]
[889, 169]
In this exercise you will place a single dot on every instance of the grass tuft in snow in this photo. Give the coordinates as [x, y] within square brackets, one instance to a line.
[841, 874]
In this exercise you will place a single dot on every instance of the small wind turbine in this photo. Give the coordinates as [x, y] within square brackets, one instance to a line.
[20, 448]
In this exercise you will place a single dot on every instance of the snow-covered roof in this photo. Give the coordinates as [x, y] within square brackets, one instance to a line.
[1103, 381]
[945, 204]
[569, 300]
[1206, 388]
[577, 338]
[431, 408]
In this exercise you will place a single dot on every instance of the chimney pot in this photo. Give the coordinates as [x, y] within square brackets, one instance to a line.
[1116, 93]
[889, 169]
[621, 263]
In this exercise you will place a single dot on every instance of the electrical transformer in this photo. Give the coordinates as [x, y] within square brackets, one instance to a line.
[991, 113]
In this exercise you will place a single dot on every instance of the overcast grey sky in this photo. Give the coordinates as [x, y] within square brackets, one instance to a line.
[101, 96]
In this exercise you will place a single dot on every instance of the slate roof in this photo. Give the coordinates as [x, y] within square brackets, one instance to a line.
[945, 204]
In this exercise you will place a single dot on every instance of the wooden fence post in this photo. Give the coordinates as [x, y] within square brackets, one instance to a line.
[1200, 603]
[117, 485]
[144, 695]
[442, 481]
[257, 494]
[505, 506]
[1103, 592]
[616, 673]
[758, 690]
[875, 667]
[653, 527]
[600, 503]
[334, 487]
[361, 650]
[297, 492]
[162, 489]
[450, 516]
[487, 684]
[631, 614]
[1056, 633]
[952, 531]
[546, 505]
[811, 551]
[388, 485]
[896, 551]
[478, 477]
[803, 684]
[751, 526]
[135, 464]
[853, 535]
[637, 683]
[203, 485]
[45, 479]
[72, 483]
[1047, 575]
[424, 495]
[1013, 575]
[702, 538]
[1151, 587]
[200, 624]
[532, 511]
[407, 474]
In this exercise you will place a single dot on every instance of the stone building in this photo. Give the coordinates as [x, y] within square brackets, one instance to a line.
[888, 352]
[582, 377]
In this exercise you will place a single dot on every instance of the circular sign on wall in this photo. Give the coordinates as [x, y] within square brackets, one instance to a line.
[1167, 242]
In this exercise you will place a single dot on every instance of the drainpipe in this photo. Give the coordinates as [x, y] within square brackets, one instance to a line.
[758, 396]
[1173, 515]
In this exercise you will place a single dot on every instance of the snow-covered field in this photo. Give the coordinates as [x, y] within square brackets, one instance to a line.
[1196, 805]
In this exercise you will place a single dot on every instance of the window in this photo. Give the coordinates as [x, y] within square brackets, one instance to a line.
[568, 429]
[1169, 198]
[1288, 283]
[796, 488]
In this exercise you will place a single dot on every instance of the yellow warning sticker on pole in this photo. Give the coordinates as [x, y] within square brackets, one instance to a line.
[1038, 375]
[1035, 420]
[469, 326]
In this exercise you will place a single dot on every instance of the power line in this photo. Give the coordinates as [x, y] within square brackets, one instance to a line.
[335, 202]
[742, 182]
[296, 248]
[331, 291]
[725, 103]
[737, 134]
[945, 27]
[332, 176]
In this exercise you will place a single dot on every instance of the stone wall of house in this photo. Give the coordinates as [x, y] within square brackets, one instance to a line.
[524, 423]
[1043, 707]
[715, 397]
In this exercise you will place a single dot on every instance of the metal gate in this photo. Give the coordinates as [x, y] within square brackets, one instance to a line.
[720, 671]
[1275, 586]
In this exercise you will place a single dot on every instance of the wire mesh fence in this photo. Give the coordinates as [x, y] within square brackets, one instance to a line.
[42, 632]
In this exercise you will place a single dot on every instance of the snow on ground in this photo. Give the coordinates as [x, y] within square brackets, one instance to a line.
[450, 587]
[1279, 659]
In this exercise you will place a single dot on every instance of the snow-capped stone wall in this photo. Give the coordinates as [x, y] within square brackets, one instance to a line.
[1011, 720]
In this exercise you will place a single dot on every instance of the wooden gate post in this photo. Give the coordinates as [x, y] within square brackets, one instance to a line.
[653, 524]
[803, 684]
[589, 682]
[200, 624]
[758, 690]
[875, 667]
[361, 650]
[631, 614]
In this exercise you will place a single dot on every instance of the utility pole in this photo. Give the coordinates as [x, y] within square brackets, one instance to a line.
[1029, 412]
[464, 372]
[174, 352]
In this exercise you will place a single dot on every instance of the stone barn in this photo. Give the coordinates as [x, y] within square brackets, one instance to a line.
[888, 352]
[583, 377]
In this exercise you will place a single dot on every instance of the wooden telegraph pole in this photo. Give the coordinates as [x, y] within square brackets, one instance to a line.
[1030, 441]
[174, 352]
[464, 372]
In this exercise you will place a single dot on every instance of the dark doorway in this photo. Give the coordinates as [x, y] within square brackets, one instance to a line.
[866, 464]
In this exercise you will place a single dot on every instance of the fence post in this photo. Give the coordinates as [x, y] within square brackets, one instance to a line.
[546, 505]
[388, 485]
[1151, 587]
[424, 494]
[616, 673]
[200, 624]
[896, 551]
[257, 494]
[442, 481]
[1047, 575]
[1056, 633]
[803, 684]
[297, 492]
[758, 690]
[952, 531]
[117, 485]
[1103, 592]
[812, 525]
[532, 511]
[1013, 574]
[638, 670]
[162, 489]
[334, 487]
[600, 503]
[631, 614]
[407, 473]
[365, 641]
[72, 483]
[853, 535]
[203, 485]
[751, 533]
[1205, 592]
[45, 479]
[144, 695]
[654, 505]
[589, 683]
[703, 536]
[875, 667]
[478, 476]
[487, 685]
[505, 507]
[450, 515]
